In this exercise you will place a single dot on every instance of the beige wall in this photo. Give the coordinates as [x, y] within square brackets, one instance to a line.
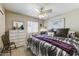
[71, 20]
[11, 16]
[2, 23]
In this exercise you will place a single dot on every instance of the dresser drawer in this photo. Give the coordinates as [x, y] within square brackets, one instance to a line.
[17, 40]
[17, 34]
[17, 37]
[20, 43]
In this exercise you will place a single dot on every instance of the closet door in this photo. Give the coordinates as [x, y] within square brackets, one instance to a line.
[2, 26]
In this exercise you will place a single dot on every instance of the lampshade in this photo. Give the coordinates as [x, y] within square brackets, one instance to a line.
[43, 29]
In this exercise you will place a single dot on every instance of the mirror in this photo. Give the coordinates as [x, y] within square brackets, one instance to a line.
[18, 25]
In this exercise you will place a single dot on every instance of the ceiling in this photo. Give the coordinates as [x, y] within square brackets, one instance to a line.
[29, 8]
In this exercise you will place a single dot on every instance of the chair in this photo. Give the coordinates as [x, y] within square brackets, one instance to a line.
[7, 44]
[7, 38]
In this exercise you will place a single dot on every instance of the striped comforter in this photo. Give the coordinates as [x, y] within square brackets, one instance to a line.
[56, 46]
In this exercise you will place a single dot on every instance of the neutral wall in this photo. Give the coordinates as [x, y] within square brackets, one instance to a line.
[12, 16]
[71, 20]
[2, 23]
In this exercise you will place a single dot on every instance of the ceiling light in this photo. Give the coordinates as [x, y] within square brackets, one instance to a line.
[42, 15]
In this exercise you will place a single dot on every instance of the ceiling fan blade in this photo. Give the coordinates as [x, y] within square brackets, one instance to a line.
[37, 10]
[46, 11]
[49, 10]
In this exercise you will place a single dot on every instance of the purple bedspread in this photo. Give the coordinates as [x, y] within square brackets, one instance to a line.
[70, 49]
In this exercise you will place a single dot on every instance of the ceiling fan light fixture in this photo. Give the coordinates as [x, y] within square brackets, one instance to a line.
[42, 15]
[43, 12]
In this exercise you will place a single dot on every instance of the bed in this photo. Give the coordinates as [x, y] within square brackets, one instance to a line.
[44, 45]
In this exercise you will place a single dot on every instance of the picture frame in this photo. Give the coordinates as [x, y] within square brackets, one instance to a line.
[18, 25]
[59, 23]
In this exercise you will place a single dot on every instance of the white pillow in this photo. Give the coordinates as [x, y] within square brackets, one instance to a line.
[50, 34]
[71, 34]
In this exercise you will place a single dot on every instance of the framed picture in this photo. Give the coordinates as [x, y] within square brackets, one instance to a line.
[18, 25]
[58, 23]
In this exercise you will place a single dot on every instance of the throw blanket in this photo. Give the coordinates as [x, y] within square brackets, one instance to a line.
[70, 49]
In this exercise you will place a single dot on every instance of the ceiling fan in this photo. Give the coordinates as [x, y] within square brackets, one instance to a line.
[43, 11]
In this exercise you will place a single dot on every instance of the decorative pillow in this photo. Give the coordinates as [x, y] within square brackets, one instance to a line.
[52, 30]
[62, 32]
[43, 32]
[71, 34]
[50, 34]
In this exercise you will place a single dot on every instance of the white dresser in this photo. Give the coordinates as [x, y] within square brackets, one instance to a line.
[17, 36]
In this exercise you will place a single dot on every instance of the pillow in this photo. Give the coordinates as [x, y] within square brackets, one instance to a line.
[51, 30]
[50, 34]
[71, 34]
[43, 32]
[62, 32]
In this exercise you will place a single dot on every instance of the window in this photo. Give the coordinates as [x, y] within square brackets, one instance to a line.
[32, 27]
